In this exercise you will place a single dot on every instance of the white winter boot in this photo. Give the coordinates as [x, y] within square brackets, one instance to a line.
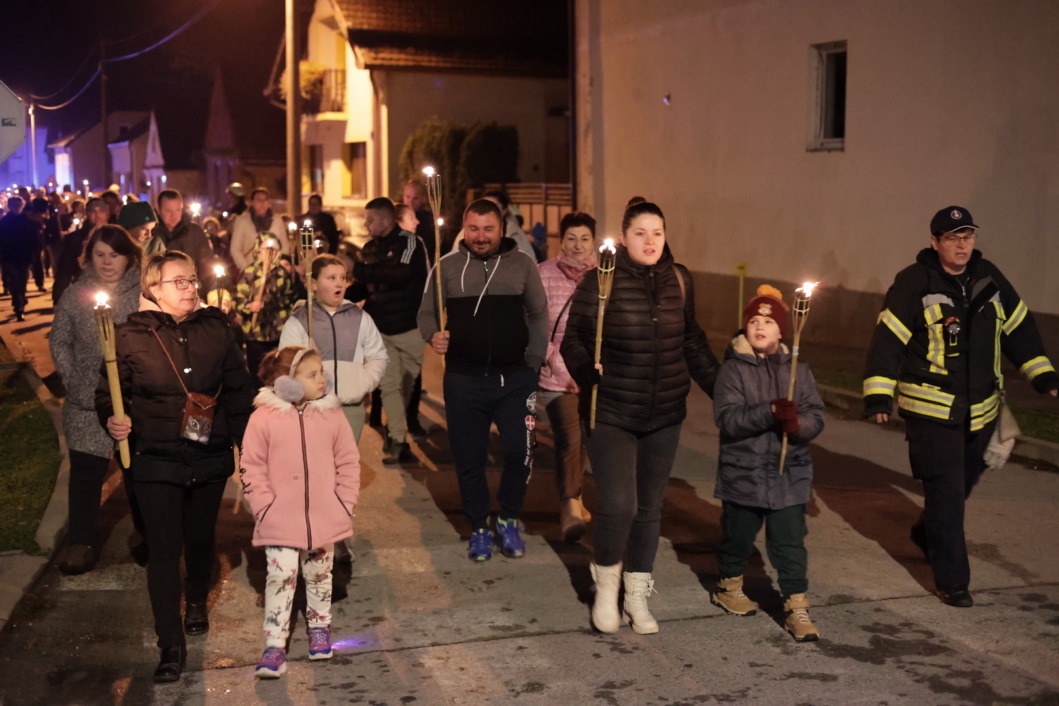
[638, 587]
[605, 616]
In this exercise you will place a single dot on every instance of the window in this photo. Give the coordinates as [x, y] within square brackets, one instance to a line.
[355, 160]
[316, 168]
[828, 97]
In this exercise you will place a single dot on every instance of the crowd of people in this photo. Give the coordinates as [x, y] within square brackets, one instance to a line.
[280, 357]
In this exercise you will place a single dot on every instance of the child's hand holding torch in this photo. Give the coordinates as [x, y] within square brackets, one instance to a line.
[118, 425]
[308, 252]
[605, 276]
[802, 295]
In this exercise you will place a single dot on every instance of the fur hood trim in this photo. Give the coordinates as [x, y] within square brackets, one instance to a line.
[266, 397]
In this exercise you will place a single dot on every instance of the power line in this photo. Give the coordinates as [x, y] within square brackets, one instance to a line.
[172, 35]
[68, 82]
[76, 96]
[179, 30]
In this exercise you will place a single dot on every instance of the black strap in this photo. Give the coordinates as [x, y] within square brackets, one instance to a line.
[560, 316]
[175, 371]
[683, 289]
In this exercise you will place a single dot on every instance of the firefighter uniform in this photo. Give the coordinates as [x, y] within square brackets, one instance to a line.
[937, 348]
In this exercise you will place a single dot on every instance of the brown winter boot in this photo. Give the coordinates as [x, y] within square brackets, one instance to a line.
[605, 615]
[798, 623]
[729, 596]
[570, 522]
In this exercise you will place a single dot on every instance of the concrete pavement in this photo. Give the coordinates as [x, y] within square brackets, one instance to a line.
[416, 622]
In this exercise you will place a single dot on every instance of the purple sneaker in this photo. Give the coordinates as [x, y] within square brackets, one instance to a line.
[273, 663]
[320, 643]
[511, 544]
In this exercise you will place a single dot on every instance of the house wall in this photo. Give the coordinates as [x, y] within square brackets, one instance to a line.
[945, 106]
[413, 97]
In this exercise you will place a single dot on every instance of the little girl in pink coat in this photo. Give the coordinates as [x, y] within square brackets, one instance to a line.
[301, 476]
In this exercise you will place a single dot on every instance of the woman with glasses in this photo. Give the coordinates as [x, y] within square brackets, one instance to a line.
[180, 463]
[112, 266]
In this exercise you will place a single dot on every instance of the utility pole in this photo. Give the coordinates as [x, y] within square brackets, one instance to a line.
[294, 151]
[103, 110]
[33, 142]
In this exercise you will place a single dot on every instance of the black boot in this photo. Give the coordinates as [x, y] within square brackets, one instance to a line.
[196, 621]
[170, 664]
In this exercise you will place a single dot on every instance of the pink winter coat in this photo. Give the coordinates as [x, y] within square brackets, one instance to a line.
[300, 471]
[559, 285]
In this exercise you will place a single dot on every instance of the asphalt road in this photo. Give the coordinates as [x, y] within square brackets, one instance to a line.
[417, 623]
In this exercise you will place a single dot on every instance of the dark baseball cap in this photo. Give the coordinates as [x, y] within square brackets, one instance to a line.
[951, 219]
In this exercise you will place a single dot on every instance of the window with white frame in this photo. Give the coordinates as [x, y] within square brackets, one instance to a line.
[828, 97]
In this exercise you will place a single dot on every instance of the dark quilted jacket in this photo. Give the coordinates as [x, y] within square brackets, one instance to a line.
[652, 345]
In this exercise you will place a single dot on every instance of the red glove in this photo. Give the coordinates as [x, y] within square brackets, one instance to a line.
[786, 413]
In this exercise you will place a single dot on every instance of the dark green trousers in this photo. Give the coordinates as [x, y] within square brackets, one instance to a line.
[785, 532]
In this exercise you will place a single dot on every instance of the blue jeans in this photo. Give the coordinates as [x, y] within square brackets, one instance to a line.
[472, 404]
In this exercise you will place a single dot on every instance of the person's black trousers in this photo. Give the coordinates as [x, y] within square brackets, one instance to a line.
[472, 404]
[948, 460]
[631, 471]
[179, 520]
[785, 531]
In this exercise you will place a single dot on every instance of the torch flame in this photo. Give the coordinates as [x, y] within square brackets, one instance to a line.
[441, 222]
[608, 246]
[270, 243]
[428, 172]
[218, 271]
[292, 226]
[307, 223]
[807, 288]
[196, 208]
[318, 243]
[102, 299]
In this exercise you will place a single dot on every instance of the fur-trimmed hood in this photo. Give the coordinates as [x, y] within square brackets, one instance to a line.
[739, 347]
[267, 397]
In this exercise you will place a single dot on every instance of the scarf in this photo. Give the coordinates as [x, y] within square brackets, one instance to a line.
[574, 269]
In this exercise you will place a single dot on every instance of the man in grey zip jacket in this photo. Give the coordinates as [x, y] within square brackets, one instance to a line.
[494, 342]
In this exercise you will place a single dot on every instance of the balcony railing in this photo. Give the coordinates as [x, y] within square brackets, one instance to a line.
[327, 94]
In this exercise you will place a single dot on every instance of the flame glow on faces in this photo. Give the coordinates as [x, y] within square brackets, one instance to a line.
[102, 300]
[428, 172]
[608, 247]
[218, 271]
[807, 288]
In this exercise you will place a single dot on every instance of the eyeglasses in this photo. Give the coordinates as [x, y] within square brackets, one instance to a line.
[952, 239]
[182, 283]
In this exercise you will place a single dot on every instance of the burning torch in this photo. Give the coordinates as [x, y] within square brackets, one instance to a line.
[105, 329]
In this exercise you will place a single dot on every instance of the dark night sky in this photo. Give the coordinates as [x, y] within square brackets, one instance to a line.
[43, 44]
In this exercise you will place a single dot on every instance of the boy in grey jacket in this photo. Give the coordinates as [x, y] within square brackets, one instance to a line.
[753, 413]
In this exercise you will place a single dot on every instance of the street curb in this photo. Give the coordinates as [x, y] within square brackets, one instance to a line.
[19, 570]
[1025, 446]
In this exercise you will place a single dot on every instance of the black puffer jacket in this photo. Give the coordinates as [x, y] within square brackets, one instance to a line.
[391, 278]
[652, 345]
[204, 349]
